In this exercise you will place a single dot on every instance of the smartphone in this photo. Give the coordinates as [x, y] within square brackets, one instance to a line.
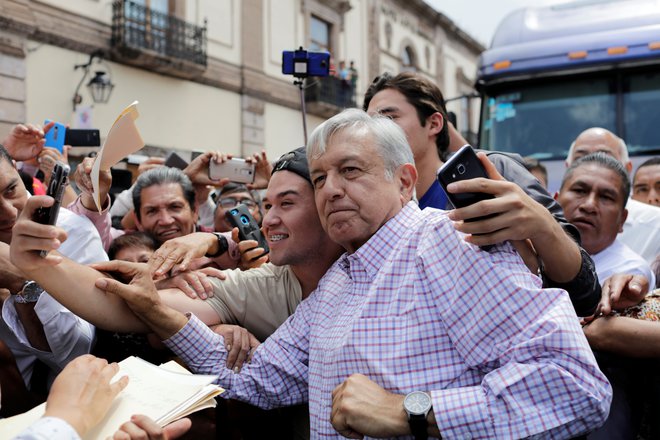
[81, 137]
[463, 165]
[304, 63]
[55, 136]
[175, 161]
[248, 228]
[59, 179]
[236, 170]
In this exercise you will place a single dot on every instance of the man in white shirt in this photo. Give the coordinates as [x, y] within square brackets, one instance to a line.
[593, 193]
[34, 325]
[641, 230]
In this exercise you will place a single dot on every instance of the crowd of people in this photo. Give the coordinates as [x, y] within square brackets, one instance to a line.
[380, 310]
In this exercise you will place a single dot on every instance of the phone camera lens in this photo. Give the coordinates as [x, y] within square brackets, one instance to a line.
[245, 220]
[460, 168]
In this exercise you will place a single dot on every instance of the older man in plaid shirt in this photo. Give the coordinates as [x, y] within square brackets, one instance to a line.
[413, 330]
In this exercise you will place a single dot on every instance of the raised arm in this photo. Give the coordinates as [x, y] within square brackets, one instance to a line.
[72, 284]
[523, 212]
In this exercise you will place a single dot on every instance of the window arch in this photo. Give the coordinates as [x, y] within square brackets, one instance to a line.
[408, 58]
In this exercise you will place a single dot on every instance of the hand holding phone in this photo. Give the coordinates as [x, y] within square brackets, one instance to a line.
[59, 179]
[59, 136]
[55, 136]
[234, 169]
[248, 228]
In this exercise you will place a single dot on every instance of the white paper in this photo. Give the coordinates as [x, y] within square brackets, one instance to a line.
[123, 139]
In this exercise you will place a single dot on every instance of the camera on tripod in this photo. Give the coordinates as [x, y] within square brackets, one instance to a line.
[301, 63]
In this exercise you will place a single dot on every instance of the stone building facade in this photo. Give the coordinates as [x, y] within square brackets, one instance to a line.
[208, 73]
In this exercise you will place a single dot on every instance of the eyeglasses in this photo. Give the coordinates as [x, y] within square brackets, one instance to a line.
[230, 202]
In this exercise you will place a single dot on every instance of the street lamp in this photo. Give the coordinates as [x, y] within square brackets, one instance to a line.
[100, 86]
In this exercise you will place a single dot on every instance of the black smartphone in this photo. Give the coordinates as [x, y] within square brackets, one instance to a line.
[248, 228]
[463, 165]
[59, 179]
[80, 137]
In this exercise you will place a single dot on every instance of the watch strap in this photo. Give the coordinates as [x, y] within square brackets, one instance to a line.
[418, 426]
[223, 245]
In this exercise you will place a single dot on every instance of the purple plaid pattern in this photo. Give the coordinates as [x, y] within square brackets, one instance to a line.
[418, 308]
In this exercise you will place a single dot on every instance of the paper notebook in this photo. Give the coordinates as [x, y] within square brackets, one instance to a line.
[165, 393]
[123, 139]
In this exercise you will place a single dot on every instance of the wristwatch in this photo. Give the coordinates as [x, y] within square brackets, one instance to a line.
[29, 293]
[417, 405]
[223, 246]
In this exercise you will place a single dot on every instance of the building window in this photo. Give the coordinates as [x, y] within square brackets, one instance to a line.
[320, 34]
[408, 59]
[151, 25]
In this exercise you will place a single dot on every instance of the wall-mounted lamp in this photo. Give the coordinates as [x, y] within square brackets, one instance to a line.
[100, 86]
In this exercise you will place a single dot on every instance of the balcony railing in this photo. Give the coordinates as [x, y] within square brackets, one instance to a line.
[136, 27]
[330, 90]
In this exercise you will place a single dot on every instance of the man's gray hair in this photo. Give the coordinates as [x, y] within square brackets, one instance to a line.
[389, 137]
[162, 176]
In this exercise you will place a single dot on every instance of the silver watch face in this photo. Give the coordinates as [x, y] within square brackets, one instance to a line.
[417, 402]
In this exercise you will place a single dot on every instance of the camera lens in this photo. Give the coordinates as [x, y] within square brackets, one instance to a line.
[460, 168]
[245, 220]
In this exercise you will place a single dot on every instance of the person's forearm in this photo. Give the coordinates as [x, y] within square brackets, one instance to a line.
[69, 196]
[624, 336]
[72, 284]
[563, 266]
[34, 329]
[178, 300]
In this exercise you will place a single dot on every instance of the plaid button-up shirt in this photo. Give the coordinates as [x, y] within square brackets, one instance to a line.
[418, 308]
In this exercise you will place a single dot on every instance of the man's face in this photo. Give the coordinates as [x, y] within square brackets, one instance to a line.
[392, 103]
[353, 197]
[646, 187]
[13, 196]
[165, 212]
[593, 202]
[229, 201]
[291, 224]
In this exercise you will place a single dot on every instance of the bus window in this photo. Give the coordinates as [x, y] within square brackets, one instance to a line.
[640, 115]
[541, 120]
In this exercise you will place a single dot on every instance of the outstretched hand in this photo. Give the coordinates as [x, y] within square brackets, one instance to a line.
[141, 296]
[25, 141]
[620, 291]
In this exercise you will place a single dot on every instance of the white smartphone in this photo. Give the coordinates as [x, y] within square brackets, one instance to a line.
[236, 170]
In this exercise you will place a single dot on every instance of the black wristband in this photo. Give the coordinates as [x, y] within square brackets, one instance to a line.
[223, 246]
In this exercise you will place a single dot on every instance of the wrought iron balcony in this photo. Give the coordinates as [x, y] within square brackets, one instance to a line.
[328, 95]
[138, 30]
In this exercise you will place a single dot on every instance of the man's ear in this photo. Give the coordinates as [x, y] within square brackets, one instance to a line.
[435, 123]
[406, 176]
[629, 167]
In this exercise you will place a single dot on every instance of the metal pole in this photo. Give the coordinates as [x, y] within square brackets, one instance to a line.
[299, 83]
